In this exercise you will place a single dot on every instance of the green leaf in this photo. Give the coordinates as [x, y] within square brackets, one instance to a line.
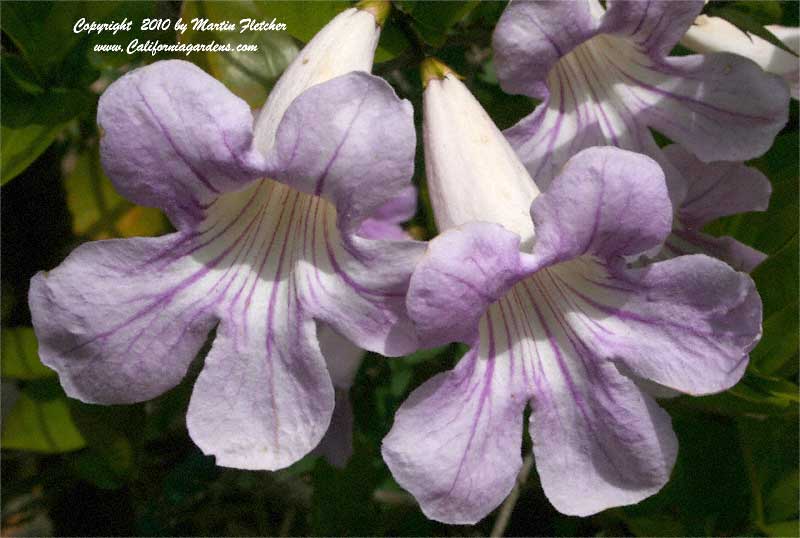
[32, 120]
[745, 21]
[303, 18]
[784, 528]
[780, 341]
[781, 502]
[43, 33]
[250, 75]
[433, 20]
[763, 389]
[112, 435]
[98, 212]
[342, 503]
[20, 355]
[776, 278]
[108, 467]
[40, 424]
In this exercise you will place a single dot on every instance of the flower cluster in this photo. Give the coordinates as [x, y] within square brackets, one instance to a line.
[570, 258]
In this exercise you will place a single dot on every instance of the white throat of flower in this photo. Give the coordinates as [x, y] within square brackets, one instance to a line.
[473, 173]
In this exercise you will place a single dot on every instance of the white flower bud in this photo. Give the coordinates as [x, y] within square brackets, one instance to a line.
[473, 173]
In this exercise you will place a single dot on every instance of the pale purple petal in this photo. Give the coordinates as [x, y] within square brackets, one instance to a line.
[531, 37]
[598, 440]
[735, 253]
[116, 324]
[385, 222]
[607, 202]
[464, 270]
[686, 323]
[721, 107]
[174, 137]
[349, 140]
[264, 398]
[655, 26]
[717, 189]
[349, 143]
[455, 442]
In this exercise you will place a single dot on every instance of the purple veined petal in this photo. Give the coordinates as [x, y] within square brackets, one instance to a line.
[720, 106]
[655, 26]
[174, 137]
[607, 202]
[686, 323]
[735, 253]
[717, 189]
[530, 38]
[464, 270]
[714, 190]
[456, 441]
[114, 324]
[598, 440]
[612, 82]
[347, 43]
[264, 398]
[343, 359]
[359, 156]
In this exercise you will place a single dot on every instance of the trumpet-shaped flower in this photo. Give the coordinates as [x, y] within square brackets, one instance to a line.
[554, 318]
[276, 231]
[605, 77]
[713, 34]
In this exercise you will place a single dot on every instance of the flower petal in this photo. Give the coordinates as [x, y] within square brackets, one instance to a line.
[687, 323]
[115, 324]
[347, 43]
[173, 137]
[455, 442]
[464, 270]
[717, 189]
[385, 222]
[598, 440]
[264, 398]
[735, 253]
[721, 107]
[655, 26]
[586, 108]
[350, 140]
[607, 202]
[531, 37]
[714, 34]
